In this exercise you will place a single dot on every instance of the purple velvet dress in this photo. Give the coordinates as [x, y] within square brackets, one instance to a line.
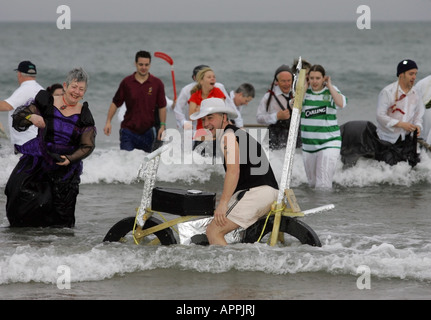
[39, 192]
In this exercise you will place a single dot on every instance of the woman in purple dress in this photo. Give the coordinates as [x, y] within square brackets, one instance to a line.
[43, 187]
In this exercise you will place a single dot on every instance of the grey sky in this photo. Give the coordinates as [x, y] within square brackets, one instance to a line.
[215, 10]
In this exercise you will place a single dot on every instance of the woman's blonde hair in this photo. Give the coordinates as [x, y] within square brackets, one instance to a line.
[199, 78]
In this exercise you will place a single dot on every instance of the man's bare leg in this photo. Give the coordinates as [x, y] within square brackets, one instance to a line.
[216, 233]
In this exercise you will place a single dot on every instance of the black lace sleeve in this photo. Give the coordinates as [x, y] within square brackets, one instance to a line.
[88, 135]
[38, 106]
[19, 121]
[86, 145]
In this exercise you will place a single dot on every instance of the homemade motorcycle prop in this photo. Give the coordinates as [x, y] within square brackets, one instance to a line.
[195, 207]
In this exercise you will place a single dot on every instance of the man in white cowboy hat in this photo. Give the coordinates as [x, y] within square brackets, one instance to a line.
[249, 186]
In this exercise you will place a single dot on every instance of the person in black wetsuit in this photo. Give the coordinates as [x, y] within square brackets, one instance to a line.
[250, 187]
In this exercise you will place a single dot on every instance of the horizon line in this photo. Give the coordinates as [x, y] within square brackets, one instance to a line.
[213, 21]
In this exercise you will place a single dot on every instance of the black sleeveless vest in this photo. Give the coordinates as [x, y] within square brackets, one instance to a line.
[255, 169]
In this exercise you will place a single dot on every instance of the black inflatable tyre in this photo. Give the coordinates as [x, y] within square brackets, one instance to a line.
[293, 226]
[123, 227]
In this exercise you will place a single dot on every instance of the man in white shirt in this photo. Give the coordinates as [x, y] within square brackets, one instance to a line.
[23, 95]
[242, 97]
[400, 112]
[400, 108]
[275, 109]
[424, 89]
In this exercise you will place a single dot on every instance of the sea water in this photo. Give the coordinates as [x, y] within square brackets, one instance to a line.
[375, 242]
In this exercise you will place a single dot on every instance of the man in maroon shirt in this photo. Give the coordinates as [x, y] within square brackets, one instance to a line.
[142, 93]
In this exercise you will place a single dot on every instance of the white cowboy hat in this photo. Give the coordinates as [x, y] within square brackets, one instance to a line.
[213, 105]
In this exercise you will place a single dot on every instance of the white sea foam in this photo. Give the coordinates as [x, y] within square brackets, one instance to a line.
[28, 263]
[117, 166]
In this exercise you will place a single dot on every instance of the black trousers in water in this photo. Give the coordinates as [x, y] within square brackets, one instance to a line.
[278, 134]
[41, 199]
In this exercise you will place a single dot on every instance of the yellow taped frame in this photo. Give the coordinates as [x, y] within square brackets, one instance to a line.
[281, 210]
[139, 233]
[288, 193]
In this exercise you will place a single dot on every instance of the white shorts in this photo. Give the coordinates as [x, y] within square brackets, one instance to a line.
[255, 203]
[320, 167]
